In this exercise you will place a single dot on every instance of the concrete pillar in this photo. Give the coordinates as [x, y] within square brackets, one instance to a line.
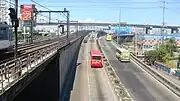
[174, 30]
[146, 30]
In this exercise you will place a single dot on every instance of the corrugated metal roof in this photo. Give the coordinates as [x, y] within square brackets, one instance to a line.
[159, 36]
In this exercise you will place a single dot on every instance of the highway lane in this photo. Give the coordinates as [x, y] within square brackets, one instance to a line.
[142, 86]
[91, 84]
[80, 90]
[99, 85]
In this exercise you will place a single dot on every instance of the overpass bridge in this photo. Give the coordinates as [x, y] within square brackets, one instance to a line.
[73, 23]
[106, 24]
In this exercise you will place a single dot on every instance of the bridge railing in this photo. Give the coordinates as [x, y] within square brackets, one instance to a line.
[14, 70]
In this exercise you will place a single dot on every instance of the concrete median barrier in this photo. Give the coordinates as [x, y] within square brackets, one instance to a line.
[118, 87]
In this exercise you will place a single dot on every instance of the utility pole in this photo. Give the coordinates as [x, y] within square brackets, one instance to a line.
[15, 23]
[119, 25]
[67, 22]
[163, 20]
[31, 27]
[15, 29]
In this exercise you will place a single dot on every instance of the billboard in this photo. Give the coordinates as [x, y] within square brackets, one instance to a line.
[122, 30]
[26, 12]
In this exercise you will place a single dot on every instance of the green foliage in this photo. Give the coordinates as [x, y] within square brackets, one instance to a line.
[171, 46]
[151, 56]
[166, 58]
[163, 53]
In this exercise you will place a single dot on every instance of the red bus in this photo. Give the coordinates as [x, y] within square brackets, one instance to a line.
[96, 58]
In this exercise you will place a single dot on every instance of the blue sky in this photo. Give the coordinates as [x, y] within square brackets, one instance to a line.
[132, 11]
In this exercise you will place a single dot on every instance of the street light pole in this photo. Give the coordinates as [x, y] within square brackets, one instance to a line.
[119, 25]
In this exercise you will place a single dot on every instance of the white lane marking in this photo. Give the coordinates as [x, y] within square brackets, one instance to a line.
[87, 67]
[127, 90]
[149, 75]
[88, 81]
[153, 78]
[112, 90]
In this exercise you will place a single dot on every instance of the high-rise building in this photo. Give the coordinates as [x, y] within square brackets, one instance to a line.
[4, 6]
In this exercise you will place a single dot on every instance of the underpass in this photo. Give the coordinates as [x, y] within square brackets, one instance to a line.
[91, 84]
[140, 85]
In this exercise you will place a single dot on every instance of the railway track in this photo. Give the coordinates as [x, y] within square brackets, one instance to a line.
[36, 43]
[13, 70]
[27, 48]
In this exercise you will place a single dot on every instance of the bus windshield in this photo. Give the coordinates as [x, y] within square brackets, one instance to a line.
[96, 57]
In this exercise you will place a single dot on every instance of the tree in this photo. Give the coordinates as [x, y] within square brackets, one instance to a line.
[166, 58]
[171, 46]
[162, 52]
[151, 56]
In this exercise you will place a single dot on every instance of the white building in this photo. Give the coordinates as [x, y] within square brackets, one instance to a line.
[4, 6]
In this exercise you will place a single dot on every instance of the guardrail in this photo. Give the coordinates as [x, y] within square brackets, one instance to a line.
[167, 69]
[16, 69]
[162, 67]
[170, 85]
[177, 73]
[119, 89]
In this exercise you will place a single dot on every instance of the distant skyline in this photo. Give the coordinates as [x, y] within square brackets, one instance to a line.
[132, 11]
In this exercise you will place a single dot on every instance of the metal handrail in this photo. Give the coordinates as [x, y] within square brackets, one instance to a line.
[15, 69]
[12, 71]
[43, 43]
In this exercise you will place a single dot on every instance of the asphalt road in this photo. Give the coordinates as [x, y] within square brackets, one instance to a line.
[91, 84]
[140, 85]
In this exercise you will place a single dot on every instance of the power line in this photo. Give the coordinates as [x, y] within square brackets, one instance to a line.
[108, 2]
[20, 7]
[172, 11]
[102, 6]
[102, 2]
[41, 5]
[45, 7]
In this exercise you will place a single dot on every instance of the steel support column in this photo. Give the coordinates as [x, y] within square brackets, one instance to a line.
[65, 12]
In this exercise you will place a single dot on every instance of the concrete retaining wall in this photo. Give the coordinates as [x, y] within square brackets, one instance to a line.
[67, 66]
